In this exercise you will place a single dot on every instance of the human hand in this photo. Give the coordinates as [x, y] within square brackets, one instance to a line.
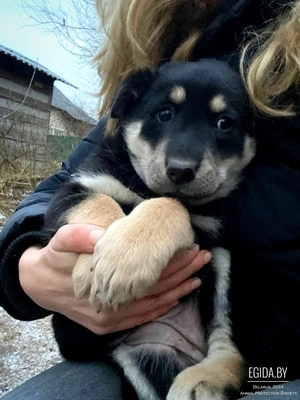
[45, 276]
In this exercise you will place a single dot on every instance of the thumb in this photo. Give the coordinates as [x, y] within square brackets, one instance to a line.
[76, 238]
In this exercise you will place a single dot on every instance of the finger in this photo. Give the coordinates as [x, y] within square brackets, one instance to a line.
[131, 314]
[78, 238]
[175, 293]
[163, 285]
[109, 321]
[142, 306]
[180, 260]
[134, 321]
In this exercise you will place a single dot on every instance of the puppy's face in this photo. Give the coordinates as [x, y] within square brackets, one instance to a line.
[186, 128]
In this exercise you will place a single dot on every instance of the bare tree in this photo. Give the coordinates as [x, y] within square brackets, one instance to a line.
[74, 22]
[75, 25]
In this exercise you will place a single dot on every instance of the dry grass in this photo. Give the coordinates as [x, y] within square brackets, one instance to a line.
[12, 191]
[16, 185]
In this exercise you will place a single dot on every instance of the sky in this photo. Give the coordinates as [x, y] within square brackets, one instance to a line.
[17, 34]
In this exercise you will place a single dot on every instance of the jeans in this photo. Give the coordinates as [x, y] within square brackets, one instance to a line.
[101, 381]
[75, 381]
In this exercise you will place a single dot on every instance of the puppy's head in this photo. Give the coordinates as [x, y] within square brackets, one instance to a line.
[187, 128]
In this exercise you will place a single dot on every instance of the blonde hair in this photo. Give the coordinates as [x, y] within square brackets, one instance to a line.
[138, 34]
[270, 64]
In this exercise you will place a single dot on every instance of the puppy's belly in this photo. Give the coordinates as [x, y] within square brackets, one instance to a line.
[179, 331]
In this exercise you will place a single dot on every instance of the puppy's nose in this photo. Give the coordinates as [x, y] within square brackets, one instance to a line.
[181, 171]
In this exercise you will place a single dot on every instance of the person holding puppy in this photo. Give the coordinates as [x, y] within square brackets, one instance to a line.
[262, 225]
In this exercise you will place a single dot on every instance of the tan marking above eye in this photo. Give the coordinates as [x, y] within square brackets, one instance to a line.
[218, 104]
[178, 94]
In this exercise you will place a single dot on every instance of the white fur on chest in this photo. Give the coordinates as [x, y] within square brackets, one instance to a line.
[108, 185]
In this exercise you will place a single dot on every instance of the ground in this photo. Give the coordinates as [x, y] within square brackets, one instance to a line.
[26, 348]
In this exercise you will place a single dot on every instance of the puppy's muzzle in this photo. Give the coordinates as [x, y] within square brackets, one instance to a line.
[181, 171]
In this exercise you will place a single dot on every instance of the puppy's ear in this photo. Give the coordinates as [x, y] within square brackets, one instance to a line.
[131, 90]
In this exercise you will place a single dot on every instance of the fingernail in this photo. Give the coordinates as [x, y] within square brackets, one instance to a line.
[195, 247]
[95, 236]
[207, 257]
[196, 282]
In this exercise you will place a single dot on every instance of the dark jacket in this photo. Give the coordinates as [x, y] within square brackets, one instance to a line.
[262, 226]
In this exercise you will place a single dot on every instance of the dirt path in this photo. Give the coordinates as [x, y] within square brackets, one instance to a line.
[26, 348]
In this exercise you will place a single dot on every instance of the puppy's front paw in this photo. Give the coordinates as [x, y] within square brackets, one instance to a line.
[124, 267]
[205, 381]
[129, 258]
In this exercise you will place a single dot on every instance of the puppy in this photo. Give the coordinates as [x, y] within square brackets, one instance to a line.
[182, 137]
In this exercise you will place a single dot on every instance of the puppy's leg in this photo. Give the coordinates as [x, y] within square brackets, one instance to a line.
[221, 373]
[99, 210]
[129, 258]
[216, 378]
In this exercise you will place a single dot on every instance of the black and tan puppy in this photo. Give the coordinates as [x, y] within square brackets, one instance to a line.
[182, 139]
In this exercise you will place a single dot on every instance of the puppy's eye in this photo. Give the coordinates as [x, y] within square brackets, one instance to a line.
[225, 123]
[164, 115]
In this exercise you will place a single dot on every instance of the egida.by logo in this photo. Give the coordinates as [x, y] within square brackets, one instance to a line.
[267, 373]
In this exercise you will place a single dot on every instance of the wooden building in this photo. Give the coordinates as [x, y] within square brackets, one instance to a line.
[26, 89]
[68, 119]
[68, 124]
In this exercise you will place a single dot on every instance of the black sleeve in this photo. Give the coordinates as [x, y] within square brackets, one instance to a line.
[23, 230]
